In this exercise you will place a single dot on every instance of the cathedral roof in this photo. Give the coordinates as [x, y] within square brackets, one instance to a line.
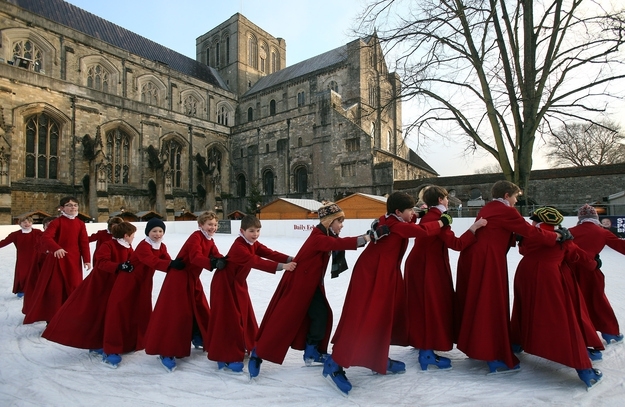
[305, 67]
[419, 162]
[80, 20]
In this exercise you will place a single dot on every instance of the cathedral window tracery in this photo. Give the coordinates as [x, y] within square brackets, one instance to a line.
[98, 78]
[118, 156]
[173, 153]
[149, 93]
[30, 51]
[42, 145]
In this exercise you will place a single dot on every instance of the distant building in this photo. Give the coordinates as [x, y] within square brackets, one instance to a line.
[88, 108]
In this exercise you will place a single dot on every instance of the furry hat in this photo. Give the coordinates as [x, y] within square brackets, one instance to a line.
[548, 215]
[329, 212]
[154, 223]
[587, 212]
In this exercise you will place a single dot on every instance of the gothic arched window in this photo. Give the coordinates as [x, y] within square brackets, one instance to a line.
[372, 94]
[268, 182]
[222, 115]
[252, 52]
[149, 93]
[241, 186]
[173, 152]
[272, 107]
[275, 61]
[4, 167]
[214, 160]
[334, 86]
[98, 78]
[42, 147]
[250, 114]
[301, 179]
[263, 57]
[118, 155]
[27, 49]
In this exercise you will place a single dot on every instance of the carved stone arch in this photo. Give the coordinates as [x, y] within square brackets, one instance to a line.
[174, 152]
[225, 113]
[88, 61]
[12, 35]
[155, 84]
[301, 174]
[23, 111]
[186, 105]
[119, 169]
[268, 179]
[123, 125]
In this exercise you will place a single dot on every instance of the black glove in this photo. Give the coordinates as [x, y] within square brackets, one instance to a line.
[518, 238]
[178, 264]
[126, 266]
[421, 212]
[219, 262]
[378, 233]
[446, 219]
[564, 234]
[598, 260]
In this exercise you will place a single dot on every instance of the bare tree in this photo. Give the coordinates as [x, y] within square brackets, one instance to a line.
[582, 144]
[489, 169]
[497, 72]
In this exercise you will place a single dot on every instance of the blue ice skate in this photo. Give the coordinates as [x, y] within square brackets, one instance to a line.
[111, 360]
[594, 354]
[609, 338]
[235, 367]
[590, 376]
[20, 294]
[498, 367]
[169, 363]
[395, 366]
[334, 372]
[428, 357]
[253, 365]
[312, 355]
[96, 352]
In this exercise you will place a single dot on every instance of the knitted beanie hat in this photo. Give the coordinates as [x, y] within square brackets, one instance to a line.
[329, 212]
[154, 223]
[587, 212]
[548, 215]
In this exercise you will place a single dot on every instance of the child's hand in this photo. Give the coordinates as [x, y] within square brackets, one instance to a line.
[59, 254]
[87, 266]
[290, 266]
[478, 224]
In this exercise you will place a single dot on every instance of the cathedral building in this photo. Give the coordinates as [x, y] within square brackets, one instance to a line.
[90, 109]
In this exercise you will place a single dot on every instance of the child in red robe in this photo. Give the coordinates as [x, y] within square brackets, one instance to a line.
[546, 301]
[374, 312]
[181, 313]
[24, 240]
[104, 235]
[482, 294]
[429, 284]
[130, 303]
[35, 268]
[591, 237]
[67, 241]
[80, 321]
[233, 327]
[299, 315]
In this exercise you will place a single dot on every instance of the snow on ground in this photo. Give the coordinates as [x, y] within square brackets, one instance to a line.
[35, 372]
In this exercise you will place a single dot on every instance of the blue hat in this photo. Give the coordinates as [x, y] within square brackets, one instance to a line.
[154, 223]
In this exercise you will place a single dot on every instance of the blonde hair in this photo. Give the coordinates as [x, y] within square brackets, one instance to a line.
[205, 217]
[24, 218]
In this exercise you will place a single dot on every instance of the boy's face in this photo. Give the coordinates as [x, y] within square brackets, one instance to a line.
[406, 214]
[251, 234]
[26, 224]
[210, 226]
[130, 238]
[512, 199]
[156, 234]
[337, 225]
[71, 208]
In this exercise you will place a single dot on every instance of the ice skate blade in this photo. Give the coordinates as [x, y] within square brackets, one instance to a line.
[328, 378]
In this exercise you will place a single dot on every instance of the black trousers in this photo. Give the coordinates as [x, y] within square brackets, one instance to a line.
[318, 314]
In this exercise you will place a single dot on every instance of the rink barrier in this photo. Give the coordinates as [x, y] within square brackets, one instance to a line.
[273, 228]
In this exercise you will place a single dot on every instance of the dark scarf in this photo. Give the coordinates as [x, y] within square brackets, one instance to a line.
[339, 264]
